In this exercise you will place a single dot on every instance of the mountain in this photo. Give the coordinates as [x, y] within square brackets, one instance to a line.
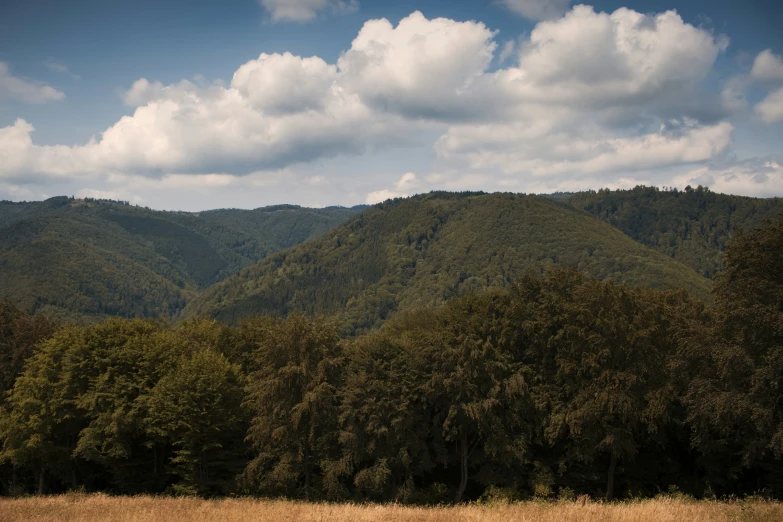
[82, 258]
[693, 226]
[422, 250]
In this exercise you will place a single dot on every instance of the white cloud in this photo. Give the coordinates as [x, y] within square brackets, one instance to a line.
[733, 94]
[771, 108]
[316, 180]
[404, 187]
[284, 83]
[305, 10]
[509, 48]
[594, 59]
[767, 72]
[767, 67]
[755, 178]
[591, 96]
[421, 68]
[142, 92]
[185, 128]
[588, 93]
[537, 9]
[516, 148]
[18, 89]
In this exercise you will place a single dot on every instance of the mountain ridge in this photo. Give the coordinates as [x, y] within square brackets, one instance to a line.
[439, 245]
[93, 258]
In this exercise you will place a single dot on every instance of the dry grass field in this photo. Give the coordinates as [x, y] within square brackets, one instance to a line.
[100, 508]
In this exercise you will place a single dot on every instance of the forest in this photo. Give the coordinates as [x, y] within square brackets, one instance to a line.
[83, 260]
[555, 385]
[418, 252]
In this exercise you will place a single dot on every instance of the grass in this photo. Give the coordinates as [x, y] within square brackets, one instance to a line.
[95, 508]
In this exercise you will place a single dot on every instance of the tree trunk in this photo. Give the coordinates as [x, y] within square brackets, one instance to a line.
[463, 467]
[41, 479]
[610, 478]
[307, 474]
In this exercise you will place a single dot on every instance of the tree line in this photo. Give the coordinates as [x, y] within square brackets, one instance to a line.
[693, 226]
[560, 385]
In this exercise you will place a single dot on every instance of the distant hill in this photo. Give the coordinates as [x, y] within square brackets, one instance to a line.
[692, 226]
[91, 258]
[422, 250]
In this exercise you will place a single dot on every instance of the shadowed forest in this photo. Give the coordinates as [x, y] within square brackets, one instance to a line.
[553, 386]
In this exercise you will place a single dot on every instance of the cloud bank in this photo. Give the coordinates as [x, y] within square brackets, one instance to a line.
[18, 89]
[588, 97]
[305, 10]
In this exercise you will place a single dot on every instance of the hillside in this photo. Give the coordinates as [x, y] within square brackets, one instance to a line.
[693, 226]
[422, 250]
[92, 258]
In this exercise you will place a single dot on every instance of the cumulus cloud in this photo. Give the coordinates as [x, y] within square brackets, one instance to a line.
[142, 92]
[594, 59]
[421, 68]
[586, 93]
[508, 50]
[768, 70]
[733, 95]
[770, 109]
[284, 83]
[517, 148]
[766, 73]
[537, 9]
[753, 177]
[404, 187]
[591, 95]
[305, 10]
[18, 89]
[767, 67]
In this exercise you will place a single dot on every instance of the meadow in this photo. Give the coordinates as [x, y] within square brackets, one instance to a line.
[100, 507]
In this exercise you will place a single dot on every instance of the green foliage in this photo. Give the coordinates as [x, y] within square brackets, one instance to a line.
[88, 259]
[421, 251]
[383, 414]
[96, 405]
[559, 385]
[197, 408]
[19, 333]
[608, 364]
[479, 393]
[693, 226]
[293, 398]
[736, 395]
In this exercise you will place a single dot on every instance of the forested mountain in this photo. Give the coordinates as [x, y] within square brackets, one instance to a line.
[557, 386]
[420, 251]
[87, 258]
[693, 226]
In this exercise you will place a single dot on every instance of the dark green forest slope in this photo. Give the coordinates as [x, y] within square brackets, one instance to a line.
[420, 251]
[558, 386]
[93, 258]
[693, 226]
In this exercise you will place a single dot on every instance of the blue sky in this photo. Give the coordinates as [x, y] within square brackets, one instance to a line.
[196, 105]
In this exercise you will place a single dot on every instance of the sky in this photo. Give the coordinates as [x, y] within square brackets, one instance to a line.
[194, 105]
